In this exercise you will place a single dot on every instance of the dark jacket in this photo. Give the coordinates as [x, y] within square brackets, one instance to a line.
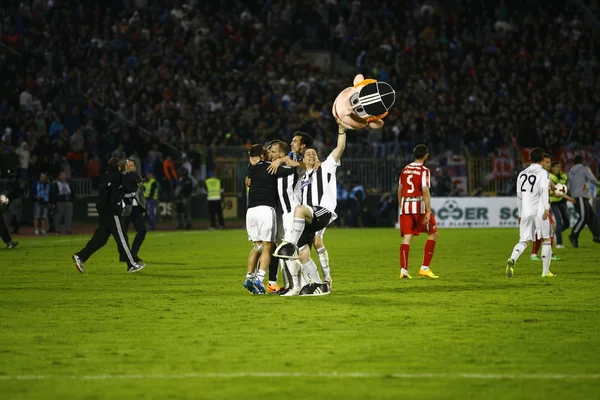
[110, 193]
[139, 198]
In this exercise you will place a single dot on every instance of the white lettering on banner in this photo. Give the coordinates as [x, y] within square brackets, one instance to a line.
[479, 212]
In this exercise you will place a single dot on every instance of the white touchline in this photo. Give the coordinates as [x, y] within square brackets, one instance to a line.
[333, 374]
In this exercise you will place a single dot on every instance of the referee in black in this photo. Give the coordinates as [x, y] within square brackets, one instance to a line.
[112, 189]
[580, 177]
[134, 212]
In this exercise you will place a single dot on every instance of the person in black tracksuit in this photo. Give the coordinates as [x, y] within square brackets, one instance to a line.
[112, 189]
[4, 233]
[134, 212]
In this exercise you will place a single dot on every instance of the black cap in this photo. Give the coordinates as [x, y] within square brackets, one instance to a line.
[377, 98]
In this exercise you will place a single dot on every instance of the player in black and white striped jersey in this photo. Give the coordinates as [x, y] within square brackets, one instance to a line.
[318, 189]
[300, 142]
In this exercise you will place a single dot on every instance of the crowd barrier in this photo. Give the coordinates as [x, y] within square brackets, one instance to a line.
[480, 212]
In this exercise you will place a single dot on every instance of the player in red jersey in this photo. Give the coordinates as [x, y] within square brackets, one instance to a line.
[415, 211]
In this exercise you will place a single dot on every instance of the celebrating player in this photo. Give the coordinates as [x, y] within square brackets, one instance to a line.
[415, 211]
[533, 203]
[319, 190]
[260, 217]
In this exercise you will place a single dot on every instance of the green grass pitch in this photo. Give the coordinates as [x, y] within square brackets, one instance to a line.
[184, 327]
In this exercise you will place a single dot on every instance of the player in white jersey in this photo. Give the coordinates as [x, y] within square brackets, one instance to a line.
[300, 142]
[288, 199]
[533, 202]
[319, 201]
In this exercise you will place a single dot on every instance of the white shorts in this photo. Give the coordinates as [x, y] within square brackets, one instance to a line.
[261, 224]
[532, 226]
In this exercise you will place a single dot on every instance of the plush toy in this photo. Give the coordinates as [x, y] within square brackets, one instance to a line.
[365, 103]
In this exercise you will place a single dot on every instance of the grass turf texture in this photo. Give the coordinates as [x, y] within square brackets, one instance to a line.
[184, 326]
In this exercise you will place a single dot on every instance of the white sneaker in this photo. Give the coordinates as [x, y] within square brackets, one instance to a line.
[291, 292]
[560, 246]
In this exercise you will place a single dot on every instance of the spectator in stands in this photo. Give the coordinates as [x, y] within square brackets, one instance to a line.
[63, 204]
[41, 200]
[170, 175]
[458, 68]
[24, 159]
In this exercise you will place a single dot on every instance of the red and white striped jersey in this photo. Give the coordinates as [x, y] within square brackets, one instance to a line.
[413, 178]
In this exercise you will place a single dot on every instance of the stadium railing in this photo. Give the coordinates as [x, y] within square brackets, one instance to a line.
[81, 187]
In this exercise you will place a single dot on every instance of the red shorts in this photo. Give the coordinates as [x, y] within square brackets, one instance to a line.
[551, 219]
[412, 224]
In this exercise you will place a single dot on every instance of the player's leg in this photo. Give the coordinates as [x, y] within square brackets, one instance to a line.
[263, 264]
[309, 267]
[267, 233]
[5, 234]
[526, 235]
[253, 235]
[99, 239]
[303, 270]
[276, 263]
[407, 230]
[323, 255]
[314, 286]
[141, 230]
[303, 215]
[272, 286]
[545, 230]
[432, 236]
[535, 247]
[115, 227]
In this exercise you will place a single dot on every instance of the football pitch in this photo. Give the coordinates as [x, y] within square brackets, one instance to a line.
[185, 328]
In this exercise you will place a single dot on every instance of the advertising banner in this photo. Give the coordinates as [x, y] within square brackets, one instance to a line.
[479, 212]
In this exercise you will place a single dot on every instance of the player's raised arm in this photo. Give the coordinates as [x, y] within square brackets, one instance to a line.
[272, 169]
[341, 144]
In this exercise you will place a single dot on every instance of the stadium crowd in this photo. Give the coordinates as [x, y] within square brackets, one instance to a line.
[197, 75]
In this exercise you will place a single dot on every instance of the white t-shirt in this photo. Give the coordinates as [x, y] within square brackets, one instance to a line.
[532, 190]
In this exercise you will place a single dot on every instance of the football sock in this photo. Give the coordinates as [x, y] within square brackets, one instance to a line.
[546, 256]
[518, 250]
[285, 273]
[273, 269]
[297, 229]
[428, 254]
[249, 275]
[324, 261]
[310, 272]
[260, 275]
[293, 266]
[404, 248]
[536, 246]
